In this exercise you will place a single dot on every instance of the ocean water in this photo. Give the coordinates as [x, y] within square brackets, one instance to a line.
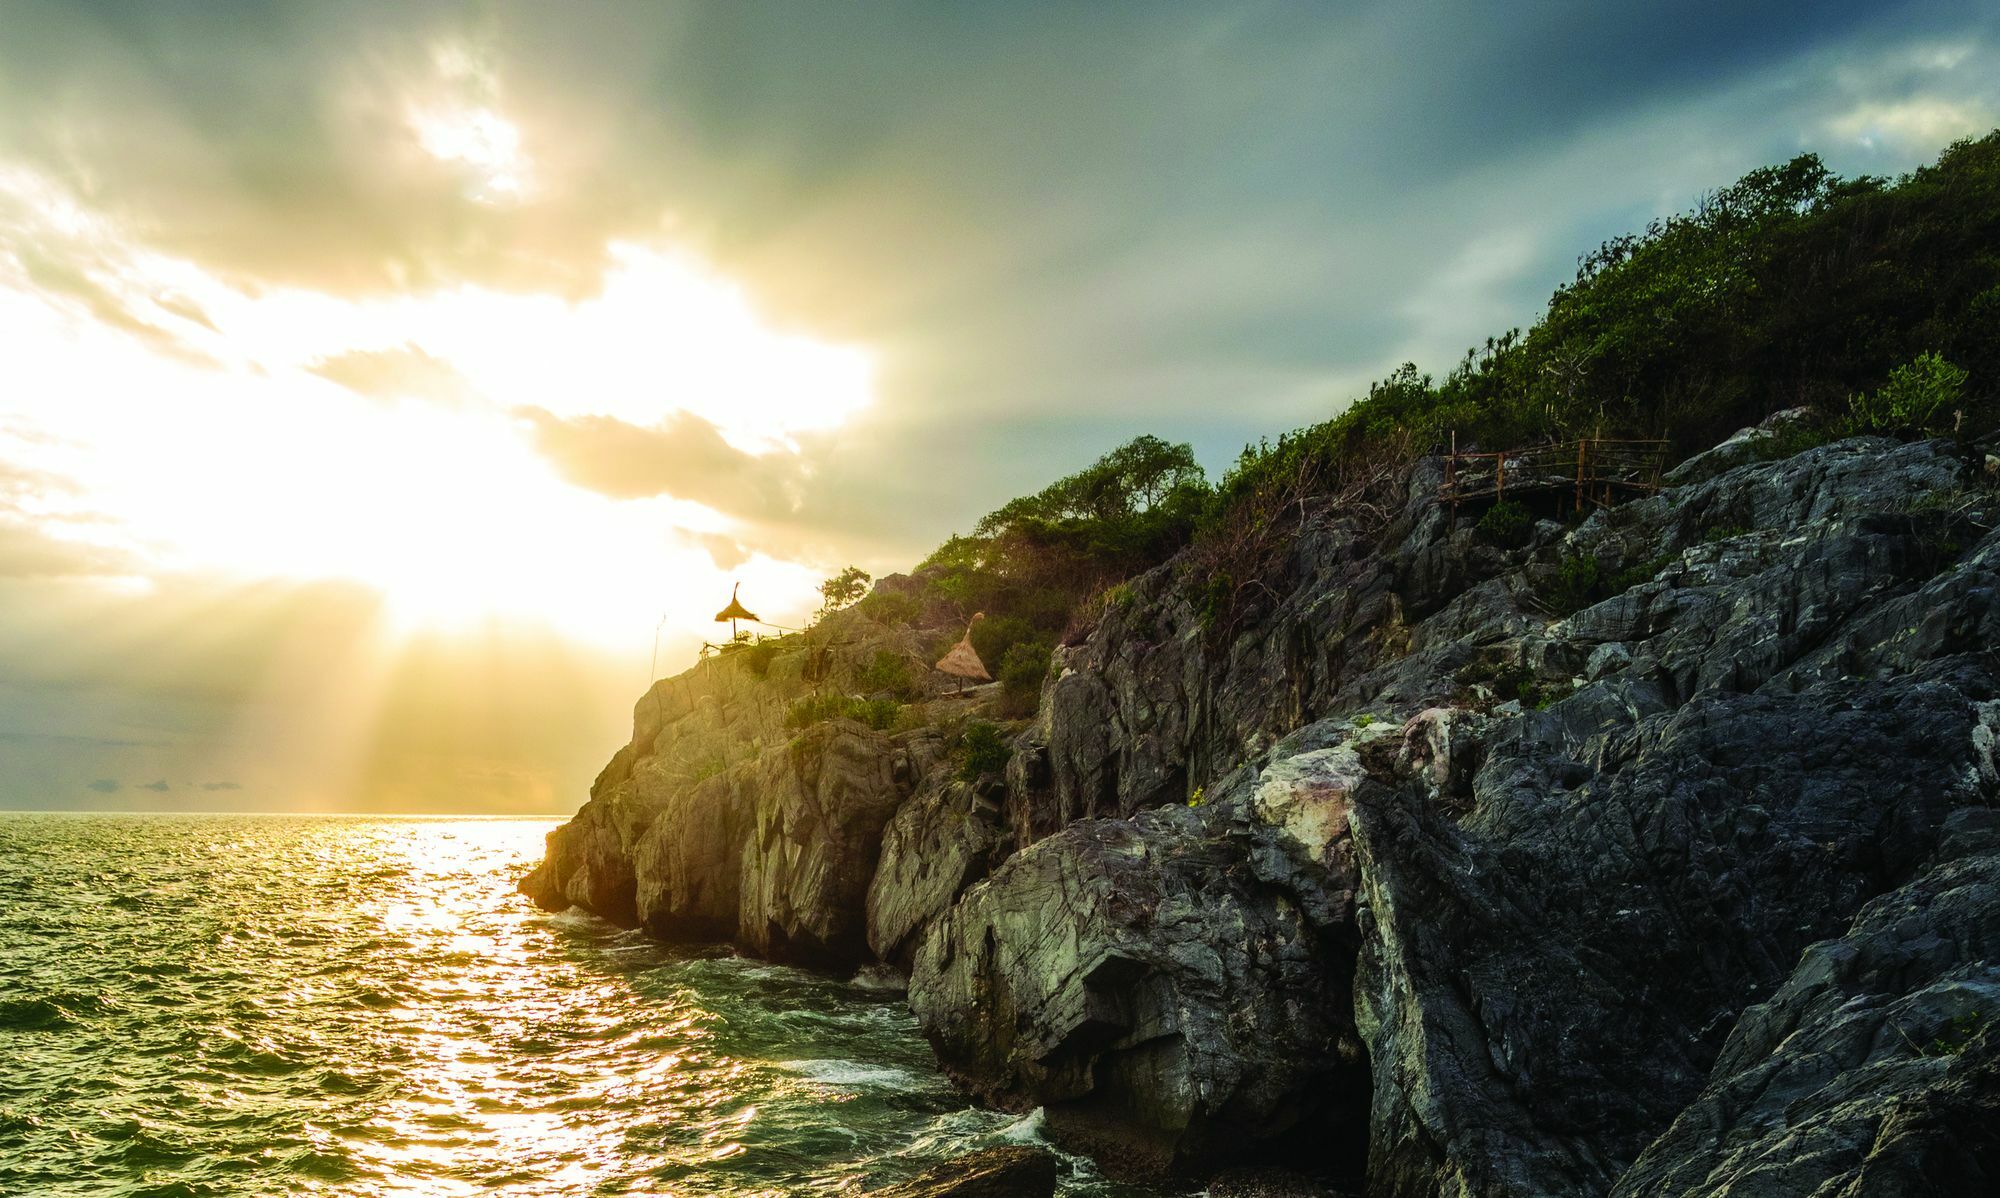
[262, 1005]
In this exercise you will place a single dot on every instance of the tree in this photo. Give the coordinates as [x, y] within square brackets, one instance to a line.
[842, 589]
[1137, 477]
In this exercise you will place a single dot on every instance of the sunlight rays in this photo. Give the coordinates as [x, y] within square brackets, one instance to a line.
[446, 508]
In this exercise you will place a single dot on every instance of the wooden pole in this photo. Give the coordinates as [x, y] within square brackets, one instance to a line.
[1451, 473]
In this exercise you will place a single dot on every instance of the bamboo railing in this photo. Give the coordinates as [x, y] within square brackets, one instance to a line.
[1599, 470]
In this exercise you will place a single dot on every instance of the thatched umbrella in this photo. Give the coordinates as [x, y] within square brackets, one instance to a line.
[963, 660]
[734, 612]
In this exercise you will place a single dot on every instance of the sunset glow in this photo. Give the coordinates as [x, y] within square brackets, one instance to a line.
[388, 396]
[422, 479]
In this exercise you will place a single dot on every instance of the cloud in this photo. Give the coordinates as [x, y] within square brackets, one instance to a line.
[1045, 229]
[683, 456]
[159, 784]
[403, 372]
[106, 786]
[213, 786]
[727, 552]
[1920, 121]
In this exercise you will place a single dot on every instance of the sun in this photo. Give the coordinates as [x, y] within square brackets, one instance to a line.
[226, 450]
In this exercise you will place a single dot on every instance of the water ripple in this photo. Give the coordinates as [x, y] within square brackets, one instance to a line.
[230, 1005]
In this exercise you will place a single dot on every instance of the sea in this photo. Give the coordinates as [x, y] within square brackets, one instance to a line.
[197, 1005]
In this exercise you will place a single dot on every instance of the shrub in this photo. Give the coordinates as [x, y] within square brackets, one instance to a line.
[1576, 585]
[757, 657]
[1580, 581]
[1917, 399]
[1508, 681]
[878, 714]
[885, 672]
[986, 750]
[1212, 600]
[1506, 524]
[890, 607]
[993, 636]
[1022, 669]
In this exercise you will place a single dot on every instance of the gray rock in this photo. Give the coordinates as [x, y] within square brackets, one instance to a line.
[1282, 882]
[775, 854]
[1872, 1070]
[1135, 977]
[1021, 1172]
[941, 841]
[1546, 979]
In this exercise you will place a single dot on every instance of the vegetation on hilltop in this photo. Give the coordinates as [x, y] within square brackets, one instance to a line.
[1874, 301]
[1791, 287]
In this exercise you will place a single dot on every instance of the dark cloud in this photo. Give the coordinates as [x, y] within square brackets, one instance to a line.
[1056, 226]
[725, 551]
[159, 784]
[106, 786]
[683, 456]
[214, 786]
[403, 372]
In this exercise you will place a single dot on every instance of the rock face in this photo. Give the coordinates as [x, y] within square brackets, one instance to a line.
[1169, 1008]
[939, 843]
[1655, 856]
[775, 854]
[1548, 977]
[1872, 1070]
[995, 1173]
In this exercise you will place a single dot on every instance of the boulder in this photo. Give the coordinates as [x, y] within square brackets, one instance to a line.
[1169, 1007]
[1020, 1172]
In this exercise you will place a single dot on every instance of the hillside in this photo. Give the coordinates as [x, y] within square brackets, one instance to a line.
[1499, 849]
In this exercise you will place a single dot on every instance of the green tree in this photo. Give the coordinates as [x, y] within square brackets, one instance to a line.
[843, 589]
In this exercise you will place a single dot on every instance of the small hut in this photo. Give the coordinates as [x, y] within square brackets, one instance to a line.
[963, 661]
[734, 612]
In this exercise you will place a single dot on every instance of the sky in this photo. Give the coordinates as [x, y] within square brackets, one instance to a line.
[386, 390]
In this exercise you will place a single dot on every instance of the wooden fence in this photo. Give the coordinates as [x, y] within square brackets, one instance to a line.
[1597, 470]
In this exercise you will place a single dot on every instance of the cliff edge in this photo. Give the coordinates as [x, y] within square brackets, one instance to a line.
[1652, 853]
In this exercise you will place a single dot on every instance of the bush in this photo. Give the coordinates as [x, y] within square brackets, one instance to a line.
[878, 714]
[986, 751]
[756, 657]
[890, 607]
[1577, 584]
[886, 672]
[1022, 669]
[1920, 398]
[993, 636]
[1580, 581]
[1506, 524]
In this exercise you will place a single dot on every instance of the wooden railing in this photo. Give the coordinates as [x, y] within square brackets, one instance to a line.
[1600, 470]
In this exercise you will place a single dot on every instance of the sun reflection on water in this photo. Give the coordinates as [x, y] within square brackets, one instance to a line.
[363, 1007]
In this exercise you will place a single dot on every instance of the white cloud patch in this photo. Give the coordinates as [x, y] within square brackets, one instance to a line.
[1922, 121]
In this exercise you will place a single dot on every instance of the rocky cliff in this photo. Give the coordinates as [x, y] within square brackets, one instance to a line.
[1656, 855]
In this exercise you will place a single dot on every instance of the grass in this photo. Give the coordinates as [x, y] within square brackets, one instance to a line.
[879, 714]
